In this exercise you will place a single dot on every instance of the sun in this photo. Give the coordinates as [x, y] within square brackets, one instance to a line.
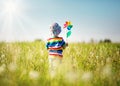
[11, 13]
[15, 21]
[11, 7]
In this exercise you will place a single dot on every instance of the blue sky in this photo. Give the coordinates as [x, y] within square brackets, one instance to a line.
[97, 19]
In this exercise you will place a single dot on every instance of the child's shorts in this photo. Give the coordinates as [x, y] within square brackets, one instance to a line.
[54, 62]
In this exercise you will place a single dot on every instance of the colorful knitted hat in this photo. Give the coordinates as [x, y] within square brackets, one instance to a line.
[55, 29]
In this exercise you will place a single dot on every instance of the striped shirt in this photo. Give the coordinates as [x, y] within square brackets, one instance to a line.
[55, 46]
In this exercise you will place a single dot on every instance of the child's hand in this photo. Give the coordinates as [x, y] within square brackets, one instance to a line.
[66, 44]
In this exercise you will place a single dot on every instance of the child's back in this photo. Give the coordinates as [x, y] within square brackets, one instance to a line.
[55, 46]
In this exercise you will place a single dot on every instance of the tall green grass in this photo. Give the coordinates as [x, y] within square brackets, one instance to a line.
[26, 64]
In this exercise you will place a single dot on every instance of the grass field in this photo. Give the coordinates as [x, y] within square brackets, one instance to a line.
[26, 64]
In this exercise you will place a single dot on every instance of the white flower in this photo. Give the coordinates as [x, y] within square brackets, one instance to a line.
[87, 76]
[12, 67]
[2, 68]
[107, 71]
[33, 74]
[2, 56]
[72, 77]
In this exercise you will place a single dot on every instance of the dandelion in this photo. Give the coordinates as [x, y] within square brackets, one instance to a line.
[107, 71]
[2, 56]
[33, 75]
[71, 77]
[12, 67]
[2, 68]
[87, 76]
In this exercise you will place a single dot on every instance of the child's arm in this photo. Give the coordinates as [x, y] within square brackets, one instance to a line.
[65, 45]
[47, 45]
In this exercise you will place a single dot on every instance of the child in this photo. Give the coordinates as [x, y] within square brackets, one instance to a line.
[55, 46]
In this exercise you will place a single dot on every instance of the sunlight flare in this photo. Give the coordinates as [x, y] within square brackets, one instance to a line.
[11, 15]
[11, 7]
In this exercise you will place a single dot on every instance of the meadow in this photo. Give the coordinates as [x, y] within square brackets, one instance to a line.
[84, 64]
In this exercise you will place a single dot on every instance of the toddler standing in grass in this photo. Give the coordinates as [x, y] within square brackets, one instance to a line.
[55, 46]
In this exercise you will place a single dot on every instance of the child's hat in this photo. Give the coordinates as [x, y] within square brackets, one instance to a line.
[55, 29]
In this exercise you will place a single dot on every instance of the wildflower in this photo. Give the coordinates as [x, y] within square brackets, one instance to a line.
[12, 67]
[2, 68]
[71, 77]
[33, 75]
[107, 71]
[3, 55]
[87, 76]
